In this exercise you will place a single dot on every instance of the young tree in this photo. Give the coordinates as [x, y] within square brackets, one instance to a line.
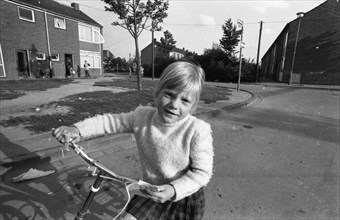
[230, 37]
[168, 42]
[135, 16]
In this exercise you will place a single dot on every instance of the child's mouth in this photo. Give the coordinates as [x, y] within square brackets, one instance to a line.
[170, 113]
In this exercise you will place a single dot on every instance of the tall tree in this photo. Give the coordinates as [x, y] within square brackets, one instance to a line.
[168, 42]
[135, 16]
[230, 37]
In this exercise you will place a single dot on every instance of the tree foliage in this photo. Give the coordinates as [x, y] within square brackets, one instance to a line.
[136, 16]
[230, 38]
[217, 64]
[168, 42]
[220, 62]
[111, 64]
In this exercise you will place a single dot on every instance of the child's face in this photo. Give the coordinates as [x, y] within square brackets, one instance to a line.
[173, 106]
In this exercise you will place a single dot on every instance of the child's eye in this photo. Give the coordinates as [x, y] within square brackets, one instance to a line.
[168, 94]
[186, 100]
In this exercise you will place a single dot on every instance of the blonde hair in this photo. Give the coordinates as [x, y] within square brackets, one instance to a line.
[182, 76]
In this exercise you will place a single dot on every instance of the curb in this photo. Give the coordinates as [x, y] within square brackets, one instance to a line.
[57, 153]
[301, 86]
[244, 103]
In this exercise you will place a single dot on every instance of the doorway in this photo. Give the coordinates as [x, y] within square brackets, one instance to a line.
[68, 64]
[22, 63]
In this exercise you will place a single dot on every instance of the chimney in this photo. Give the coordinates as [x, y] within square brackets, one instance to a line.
[75, 6]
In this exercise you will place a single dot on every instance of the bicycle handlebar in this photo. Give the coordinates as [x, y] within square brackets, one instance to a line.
[130, 184]
[79, 150]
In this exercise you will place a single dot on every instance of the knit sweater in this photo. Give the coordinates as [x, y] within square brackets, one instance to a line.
[179, 153]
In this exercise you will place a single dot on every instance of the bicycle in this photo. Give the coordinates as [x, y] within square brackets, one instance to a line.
[101, 172]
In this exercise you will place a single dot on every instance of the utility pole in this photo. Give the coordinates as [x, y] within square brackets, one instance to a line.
[258, 53]
[152, 52]
[154, 27]
[240, 23]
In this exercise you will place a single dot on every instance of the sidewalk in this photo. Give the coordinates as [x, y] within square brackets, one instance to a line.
[18, 145]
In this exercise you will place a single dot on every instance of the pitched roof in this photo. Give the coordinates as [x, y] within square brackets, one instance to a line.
[59, 9]
[158, 44]
[177, 50]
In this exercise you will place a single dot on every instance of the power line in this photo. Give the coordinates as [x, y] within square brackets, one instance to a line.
[218, 25]
[203, 25]
[198, 25]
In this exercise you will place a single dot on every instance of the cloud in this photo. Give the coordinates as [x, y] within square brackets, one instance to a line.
[263, 6]
[207, 20]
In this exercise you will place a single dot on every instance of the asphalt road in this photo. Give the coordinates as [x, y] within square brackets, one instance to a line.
[278, 158]
[275, 159]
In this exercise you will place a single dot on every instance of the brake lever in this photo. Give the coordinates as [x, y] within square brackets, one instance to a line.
[79, 150]
[93, 170]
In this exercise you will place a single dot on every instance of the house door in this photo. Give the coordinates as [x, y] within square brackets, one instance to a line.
[22, 63]
[68, 62]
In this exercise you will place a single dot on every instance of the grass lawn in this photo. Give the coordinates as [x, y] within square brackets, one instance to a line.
[209, 94]
[12, 89]
[88, 104]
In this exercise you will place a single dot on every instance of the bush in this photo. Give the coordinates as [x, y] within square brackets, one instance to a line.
[218, 66]
[160, 64]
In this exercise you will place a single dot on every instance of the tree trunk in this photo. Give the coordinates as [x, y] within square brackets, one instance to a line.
[139, 84]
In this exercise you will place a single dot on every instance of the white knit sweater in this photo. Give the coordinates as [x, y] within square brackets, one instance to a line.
[180, 153]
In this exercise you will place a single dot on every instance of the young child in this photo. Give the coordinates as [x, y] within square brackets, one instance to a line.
[175, 148]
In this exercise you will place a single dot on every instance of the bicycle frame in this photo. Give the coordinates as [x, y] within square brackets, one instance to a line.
[103, 173]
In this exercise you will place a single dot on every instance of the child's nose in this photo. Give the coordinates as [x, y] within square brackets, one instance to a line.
[175, 103]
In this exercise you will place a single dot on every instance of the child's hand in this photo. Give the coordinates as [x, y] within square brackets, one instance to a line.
[65, 134]
[164, 193]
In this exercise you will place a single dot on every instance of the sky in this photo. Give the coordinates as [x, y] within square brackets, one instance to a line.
[197, 24]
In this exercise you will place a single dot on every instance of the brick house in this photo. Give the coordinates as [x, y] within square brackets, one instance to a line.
[146, 53]
[317, 51]
[107, 54]
[38, 36]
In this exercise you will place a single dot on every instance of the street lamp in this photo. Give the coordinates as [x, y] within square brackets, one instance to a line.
[299, 15]
[240, 24]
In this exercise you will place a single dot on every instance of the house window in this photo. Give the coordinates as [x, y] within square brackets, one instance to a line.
[55, 57]
[96, 61]
[85, 33]
[90, 34]
[40, 56]
[59, 23]
[26, 14]
[98, 38]
[93, 58]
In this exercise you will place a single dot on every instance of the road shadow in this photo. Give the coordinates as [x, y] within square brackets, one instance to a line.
[56, 196]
